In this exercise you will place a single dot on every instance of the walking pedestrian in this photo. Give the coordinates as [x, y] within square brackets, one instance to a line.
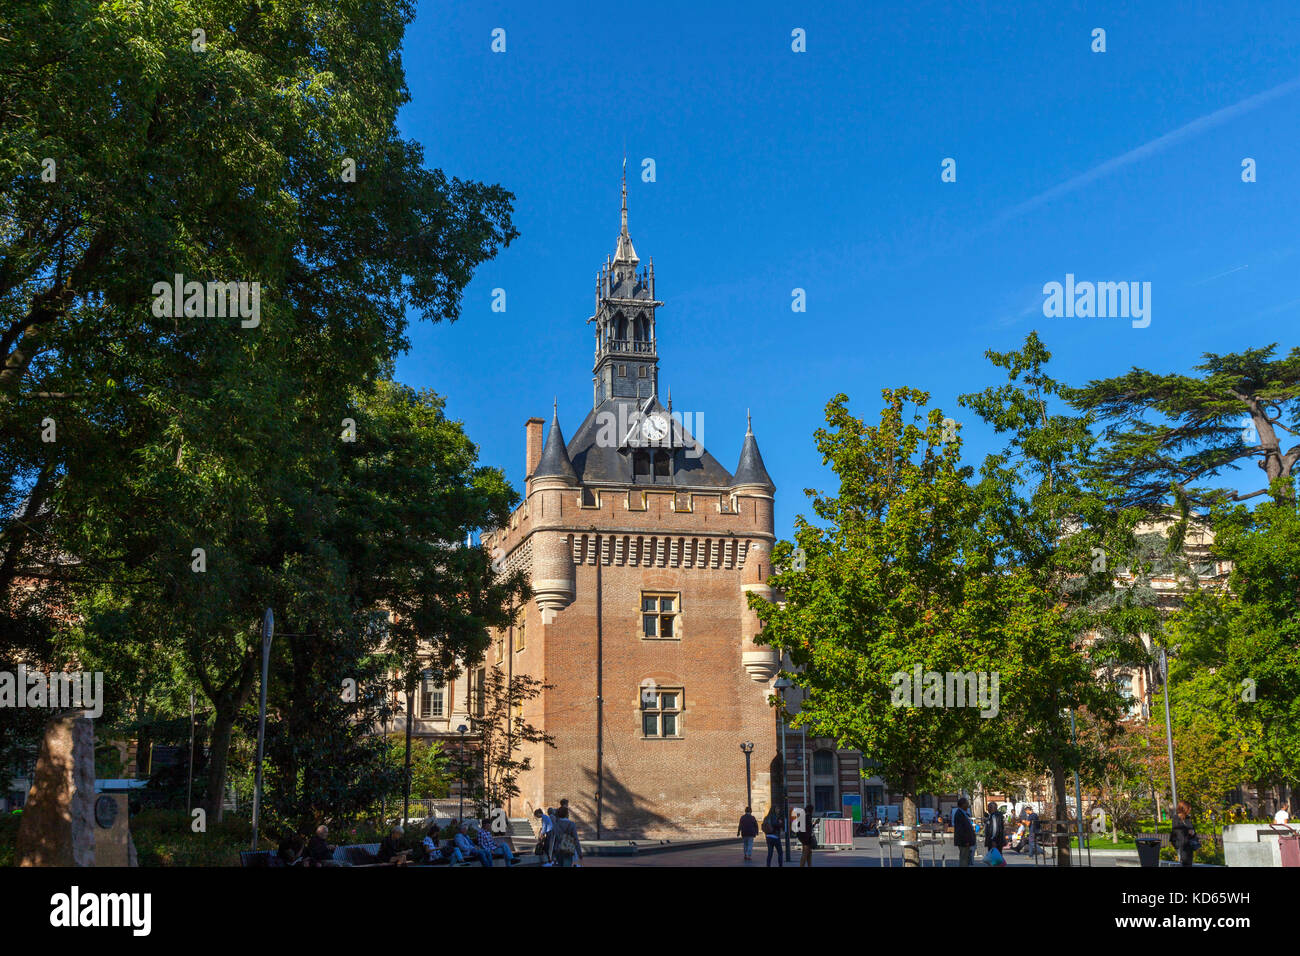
[1183, 835]
[995, 829]
[963, 833]
[773, 827]
[747, 830]
[564, 839]
[1031, 829]
[543, 848]
[564, 805]
[807, 839]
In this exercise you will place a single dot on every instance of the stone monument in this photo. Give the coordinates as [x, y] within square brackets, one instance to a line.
[58, 822]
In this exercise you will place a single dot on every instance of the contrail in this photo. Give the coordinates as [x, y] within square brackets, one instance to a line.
[1157, 145]
[1219, 275]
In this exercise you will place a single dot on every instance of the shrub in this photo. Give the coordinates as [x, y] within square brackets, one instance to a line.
[9, 838]
[166, 838]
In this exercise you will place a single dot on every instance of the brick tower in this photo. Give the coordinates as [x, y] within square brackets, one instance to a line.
[641, 549]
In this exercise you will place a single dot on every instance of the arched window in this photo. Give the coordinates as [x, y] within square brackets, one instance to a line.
[661, 464]
[640, 464]
[620, 327]
[641, 329]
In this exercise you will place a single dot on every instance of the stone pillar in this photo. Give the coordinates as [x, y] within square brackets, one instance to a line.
[58, 824]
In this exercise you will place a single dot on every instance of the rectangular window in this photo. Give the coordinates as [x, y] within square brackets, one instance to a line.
[431, 700]
[643, 370]
[661, 712]
[519, 635]
[622, 371]
[477, 692]
[659, 615]
[500, 645]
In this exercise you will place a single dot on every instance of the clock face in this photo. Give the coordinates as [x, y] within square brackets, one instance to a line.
[655, 428]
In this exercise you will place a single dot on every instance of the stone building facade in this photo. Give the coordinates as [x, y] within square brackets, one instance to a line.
[641, 549]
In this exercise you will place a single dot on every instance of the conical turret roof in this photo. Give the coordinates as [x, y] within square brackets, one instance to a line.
[751, 470]
[555, 461]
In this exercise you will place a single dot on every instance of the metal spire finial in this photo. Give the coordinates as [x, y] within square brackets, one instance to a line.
[625, 194]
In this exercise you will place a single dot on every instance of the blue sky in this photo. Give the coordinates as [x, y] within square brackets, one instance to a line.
[821, 171]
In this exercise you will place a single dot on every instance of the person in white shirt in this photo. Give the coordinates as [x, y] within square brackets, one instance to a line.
[1283, 815]
[544, 837]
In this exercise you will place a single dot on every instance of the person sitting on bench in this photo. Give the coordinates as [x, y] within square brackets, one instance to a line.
[391, 852]
[318, 849]
[488, 846]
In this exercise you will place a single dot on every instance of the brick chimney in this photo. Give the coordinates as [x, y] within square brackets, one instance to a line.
[533, 445]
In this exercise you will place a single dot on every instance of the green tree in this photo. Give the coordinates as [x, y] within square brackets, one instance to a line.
[902, 575]
[414, 493]
[223, 161]
[1057, 531]
[431, 769]
[1168, 431]
[1236, 671]
[226, 160]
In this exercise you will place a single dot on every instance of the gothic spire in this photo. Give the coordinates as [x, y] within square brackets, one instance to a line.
[624, 252]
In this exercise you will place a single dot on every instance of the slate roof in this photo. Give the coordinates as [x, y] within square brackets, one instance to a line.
[597, 465]
[555, 462]
[751, 470]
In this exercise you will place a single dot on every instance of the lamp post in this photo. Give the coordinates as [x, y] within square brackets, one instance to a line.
[747, 748]
[189, 791]
[406, 775]
[462, 730]
[1169, 731]
[268, 630]
[1078, 796]
[781, 686]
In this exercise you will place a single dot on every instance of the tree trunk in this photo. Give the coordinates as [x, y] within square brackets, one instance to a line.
[911, 847]
[222, 727]
[226, 706]
[1061, 831]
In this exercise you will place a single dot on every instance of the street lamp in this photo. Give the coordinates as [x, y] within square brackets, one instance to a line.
[462, 730]
[1169, 732]
[268, 629]
[781, 686]
[747, 748]
[410, 717]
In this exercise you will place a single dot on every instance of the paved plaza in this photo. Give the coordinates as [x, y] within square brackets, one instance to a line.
[866, 852]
